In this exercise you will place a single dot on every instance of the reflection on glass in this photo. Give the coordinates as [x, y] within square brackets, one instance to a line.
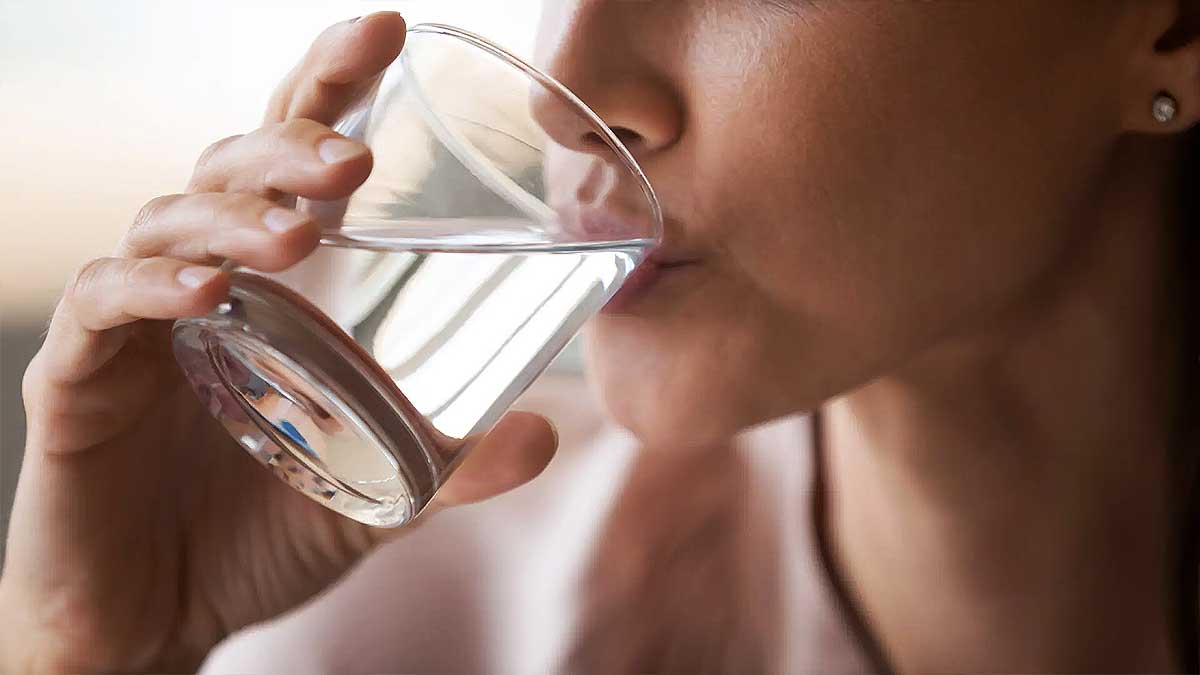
[447, 283]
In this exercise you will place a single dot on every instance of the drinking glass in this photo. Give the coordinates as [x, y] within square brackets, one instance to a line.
[500, 215]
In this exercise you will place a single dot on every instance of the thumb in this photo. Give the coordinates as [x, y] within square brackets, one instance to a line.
[513, 453]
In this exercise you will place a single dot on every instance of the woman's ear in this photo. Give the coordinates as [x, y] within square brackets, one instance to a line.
[1162, 92]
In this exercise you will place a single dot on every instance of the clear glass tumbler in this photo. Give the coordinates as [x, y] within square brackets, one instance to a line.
[500, 215]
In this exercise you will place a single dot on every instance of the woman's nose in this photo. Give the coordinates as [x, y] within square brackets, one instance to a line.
[598, 65]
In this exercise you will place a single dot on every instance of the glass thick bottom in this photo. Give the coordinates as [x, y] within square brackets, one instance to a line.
[307, 402]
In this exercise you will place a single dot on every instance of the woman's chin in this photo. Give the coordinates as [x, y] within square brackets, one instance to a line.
[650, 383]
[658, 414]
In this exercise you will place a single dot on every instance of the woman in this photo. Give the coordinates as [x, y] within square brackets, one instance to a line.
[956, 229]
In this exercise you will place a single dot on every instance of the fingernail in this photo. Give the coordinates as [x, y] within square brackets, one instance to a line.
[280, 220]
[337, 150]
[195, 277]
[355, 19]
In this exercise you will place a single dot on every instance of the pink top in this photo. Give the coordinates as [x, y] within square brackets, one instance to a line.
[490, 588]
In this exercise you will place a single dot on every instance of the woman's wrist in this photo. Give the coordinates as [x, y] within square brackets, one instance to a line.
[14, 639]
[26, 647]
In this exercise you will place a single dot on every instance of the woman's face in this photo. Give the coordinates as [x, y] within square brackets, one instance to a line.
[856, 181]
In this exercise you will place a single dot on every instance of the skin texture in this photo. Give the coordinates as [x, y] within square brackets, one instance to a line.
[949, 220]
[898, 101]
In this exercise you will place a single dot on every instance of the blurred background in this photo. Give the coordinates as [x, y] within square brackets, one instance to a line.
[104, 105]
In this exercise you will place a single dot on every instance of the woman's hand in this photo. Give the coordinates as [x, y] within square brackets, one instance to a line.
[141, 534]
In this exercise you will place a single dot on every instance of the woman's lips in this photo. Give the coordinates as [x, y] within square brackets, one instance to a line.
[643, 279]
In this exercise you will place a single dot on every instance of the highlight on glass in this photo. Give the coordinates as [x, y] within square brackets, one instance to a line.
[500, 216]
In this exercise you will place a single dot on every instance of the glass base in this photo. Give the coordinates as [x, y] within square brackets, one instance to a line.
[304, 400]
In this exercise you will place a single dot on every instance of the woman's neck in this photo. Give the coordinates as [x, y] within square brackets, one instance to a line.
[1003, 502]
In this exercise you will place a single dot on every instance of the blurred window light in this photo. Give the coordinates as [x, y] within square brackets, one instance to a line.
[108, 104]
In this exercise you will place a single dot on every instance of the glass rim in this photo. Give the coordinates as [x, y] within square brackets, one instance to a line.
[598, 124]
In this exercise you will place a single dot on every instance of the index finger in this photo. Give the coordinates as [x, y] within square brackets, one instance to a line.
[339, 67]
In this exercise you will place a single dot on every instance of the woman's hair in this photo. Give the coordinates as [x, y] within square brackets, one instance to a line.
[1185, 495]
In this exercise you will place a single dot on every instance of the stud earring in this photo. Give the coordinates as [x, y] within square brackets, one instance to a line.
[1165, 108]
